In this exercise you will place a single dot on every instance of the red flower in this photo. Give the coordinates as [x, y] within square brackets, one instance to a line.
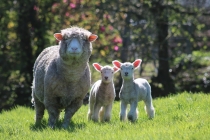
[102, 28]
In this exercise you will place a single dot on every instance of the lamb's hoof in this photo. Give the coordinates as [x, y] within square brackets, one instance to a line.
[131, 118]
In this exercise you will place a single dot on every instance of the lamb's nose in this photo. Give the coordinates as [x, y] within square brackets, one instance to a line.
[126, 73]
[106, 77]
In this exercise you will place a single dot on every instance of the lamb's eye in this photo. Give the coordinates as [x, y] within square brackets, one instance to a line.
[121, 68]
[132, 68]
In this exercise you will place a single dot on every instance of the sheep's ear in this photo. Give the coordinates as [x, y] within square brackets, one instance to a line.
[92, 37]
[137, 63]
[116, 63]
[116, 69]
[97, 66]
[58, 36]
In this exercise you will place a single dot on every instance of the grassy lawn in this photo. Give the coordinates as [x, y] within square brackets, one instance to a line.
[183, 116]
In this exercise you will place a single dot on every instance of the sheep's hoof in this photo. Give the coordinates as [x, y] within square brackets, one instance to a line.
[65, 126]
[37, 123]
[51, 126]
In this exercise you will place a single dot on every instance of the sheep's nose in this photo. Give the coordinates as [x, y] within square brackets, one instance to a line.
[126, 73]
[74, 49]
[106, 77]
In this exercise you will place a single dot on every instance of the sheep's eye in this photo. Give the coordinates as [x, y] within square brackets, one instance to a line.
[132, 68]
[112, 72]
[121, 68]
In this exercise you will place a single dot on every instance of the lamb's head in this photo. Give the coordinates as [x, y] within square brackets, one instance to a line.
[75, 42]
[107, 72]
[127, 68]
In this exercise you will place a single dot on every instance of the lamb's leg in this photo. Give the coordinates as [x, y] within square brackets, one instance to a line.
[91, 109]
[39, 107]
[101, 114]
[123, 107]
[70, 111]
[96, 112]
[107, 115]
[132, 115]
[150, 110]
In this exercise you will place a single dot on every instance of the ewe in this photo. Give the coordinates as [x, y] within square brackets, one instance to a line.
[102, 94]
[62, 75]
[133, 91]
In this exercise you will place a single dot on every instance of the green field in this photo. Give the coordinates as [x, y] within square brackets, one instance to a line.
[183, 117]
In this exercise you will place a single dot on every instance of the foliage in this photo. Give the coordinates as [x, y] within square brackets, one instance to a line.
[164, 34]
[183, 116]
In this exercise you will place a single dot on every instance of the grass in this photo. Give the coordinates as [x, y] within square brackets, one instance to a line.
[183, 116]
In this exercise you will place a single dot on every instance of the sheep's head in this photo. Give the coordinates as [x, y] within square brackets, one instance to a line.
[107, 72]
[75, 42]
[127, 68]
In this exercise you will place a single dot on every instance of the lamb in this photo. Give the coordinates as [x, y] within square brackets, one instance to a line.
[102, 94]
[61, 75]
[133, 91]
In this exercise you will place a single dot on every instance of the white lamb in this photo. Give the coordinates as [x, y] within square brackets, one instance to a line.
[133, 91]
[62, 75]
[102, 94]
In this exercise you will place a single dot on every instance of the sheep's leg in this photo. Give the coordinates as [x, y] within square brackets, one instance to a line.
[96, 112]
[123, 107]
[149, 108]
[54, 113]
[107, 115]
[101, 114]
[132, 115]
[70, 111]
[39, 107]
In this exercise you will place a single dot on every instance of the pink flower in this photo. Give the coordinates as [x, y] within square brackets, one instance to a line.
[111, 28]
[64, 1]
[106, 16]
[116, 48]
[55, 5]
[117, 40]
[36, 8]
[72, 5]
[67, 14]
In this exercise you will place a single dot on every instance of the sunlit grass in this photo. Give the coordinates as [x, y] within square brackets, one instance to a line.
[183, 116]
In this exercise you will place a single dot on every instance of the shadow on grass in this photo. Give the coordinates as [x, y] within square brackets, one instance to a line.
[44, 125]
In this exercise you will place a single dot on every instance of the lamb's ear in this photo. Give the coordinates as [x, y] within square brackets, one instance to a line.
[58, 36]
[137, 63]
[92, 37]
[116, 63]
[97, 66]
[116, 69]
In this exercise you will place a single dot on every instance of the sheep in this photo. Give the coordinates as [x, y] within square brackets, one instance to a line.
[61, 75]
[102, 94]
[132, 91]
